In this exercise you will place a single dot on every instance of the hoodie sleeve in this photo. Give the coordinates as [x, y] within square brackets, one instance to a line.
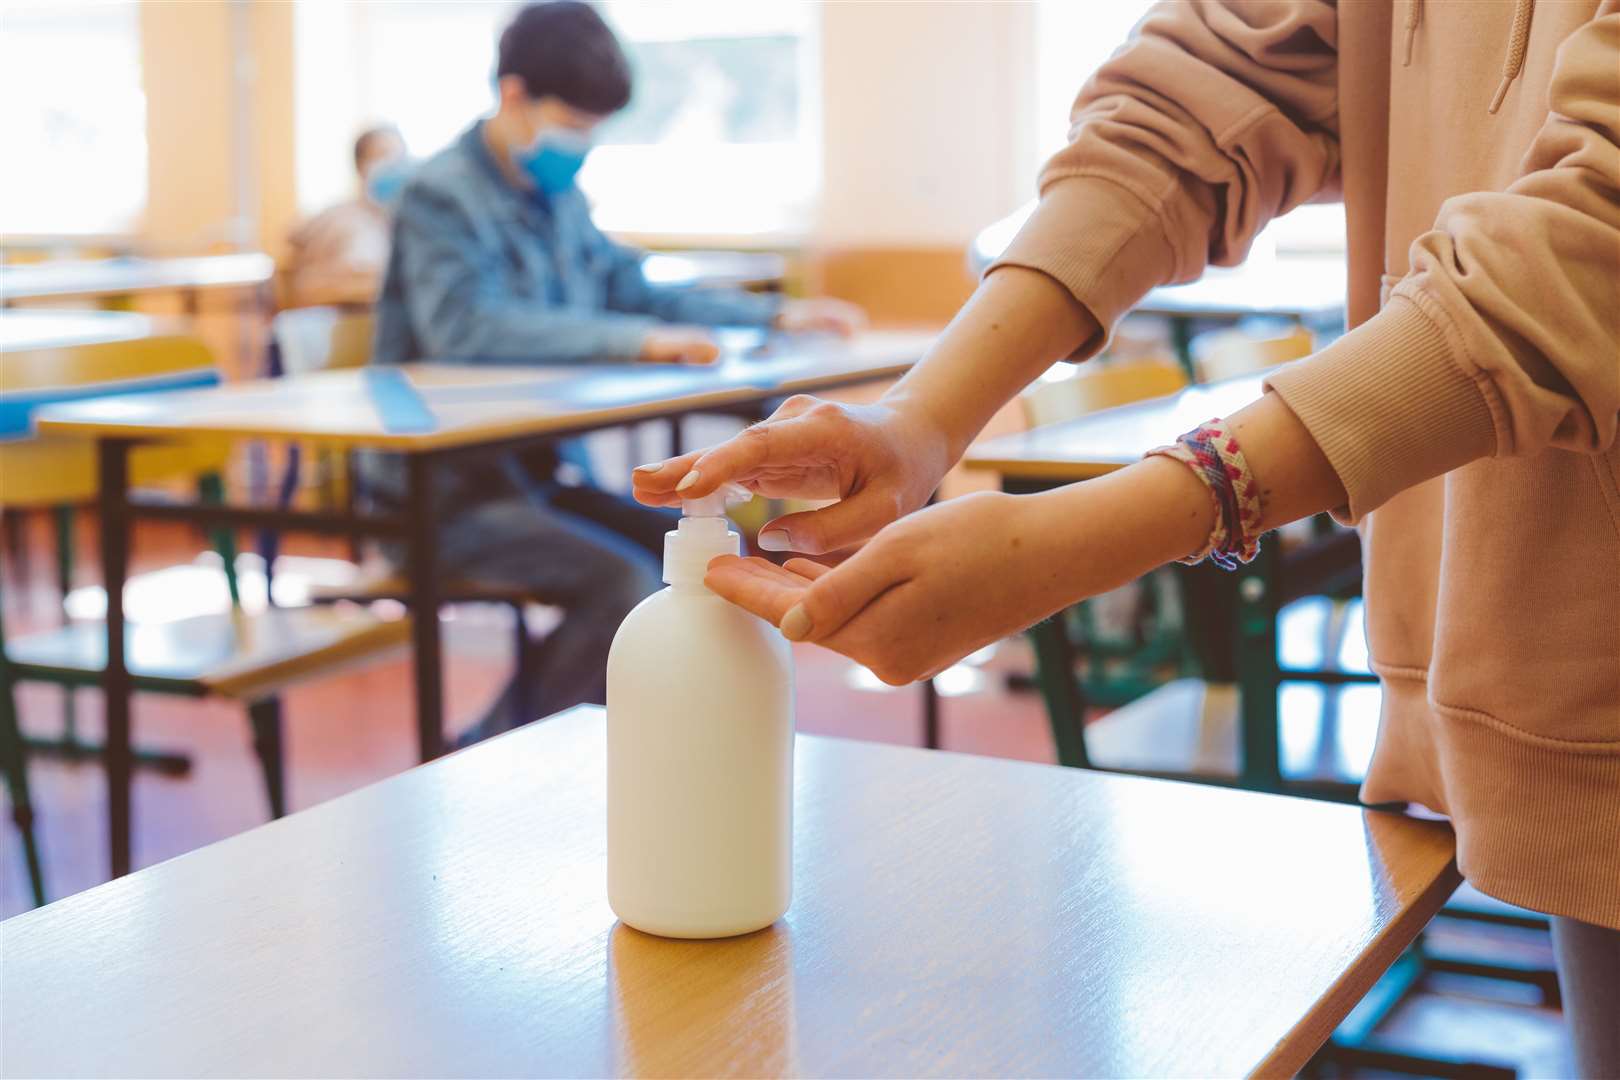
[1504, 338]
[1209, 122]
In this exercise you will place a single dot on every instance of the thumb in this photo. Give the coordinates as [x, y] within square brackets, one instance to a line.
[843, 592]
[843, 524]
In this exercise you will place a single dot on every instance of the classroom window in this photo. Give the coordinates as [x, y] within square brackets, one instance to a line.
[73, 120]
[719, 139]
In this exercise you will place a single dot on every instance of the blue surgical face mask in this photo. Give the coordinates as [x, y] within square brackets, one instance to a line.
[553, 159]
[384, 182]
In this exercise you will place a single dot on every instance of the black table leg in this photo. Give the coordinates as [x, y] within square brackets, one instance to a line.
[422, 594]
[930, 701]
[113, 460]
[1061, 689]
[1258, 673]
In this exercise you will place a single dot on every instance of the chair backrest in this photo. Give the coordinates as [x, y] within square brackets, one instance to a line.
[47, 471]
[1093, 386]
[1251, 346]
[320, 338]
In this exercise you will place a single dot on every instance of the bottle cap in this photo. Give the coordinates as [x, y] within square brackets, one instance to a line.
[702, 534]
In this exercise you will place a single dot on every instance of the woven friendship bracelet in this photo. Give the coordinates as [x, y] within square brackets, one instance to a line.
[1211, 451]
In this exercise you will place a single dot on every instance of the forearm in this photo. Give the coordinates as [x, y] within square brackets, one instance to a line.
[1016, 325]
[1114, 529]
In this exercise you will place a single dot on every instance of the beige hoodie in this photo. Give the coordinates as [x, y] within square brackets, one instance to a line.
[1471, 413]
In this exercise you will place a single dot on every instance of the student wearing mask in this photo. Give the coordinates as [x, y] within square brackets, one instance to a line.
[338, 256]
[1467, 421]
[496, 260]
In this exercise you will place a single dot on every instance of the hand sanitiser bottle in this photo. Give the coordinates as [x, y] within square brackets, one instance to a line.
[700, 751]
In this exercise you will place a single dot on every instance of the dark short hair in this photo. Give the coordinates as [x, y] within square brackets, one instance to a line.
[563, 48]
[363, 142]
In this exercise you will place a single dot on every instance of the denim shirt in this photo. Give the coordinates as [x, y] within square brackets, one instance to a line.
[481, 271]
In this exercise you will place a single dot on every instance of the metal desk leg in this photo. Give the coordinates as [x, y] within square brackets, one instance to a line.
[1258, 673]
[1181, 335]
[113, 459]
[1064, 696]
[930, 703]
[422, 593]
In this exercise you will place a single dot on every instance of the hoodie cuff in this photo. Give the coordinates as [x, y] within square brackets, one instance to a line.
[1100, 242]
[1389, 406]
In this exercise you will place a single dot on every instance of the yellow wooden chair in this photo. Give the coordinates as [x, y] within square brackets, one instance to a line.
[1253, 345]
[1097, 385]
[320, 339]
[246, 657]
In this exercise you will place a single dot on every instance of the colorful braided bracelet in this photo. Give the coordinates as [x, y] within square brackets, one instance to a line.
[1211, 451]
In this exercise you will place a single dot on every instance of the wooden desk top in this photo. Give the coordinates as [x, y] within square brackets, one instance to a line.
[1098, 443]
[953, 915]
[431, 406]
[100, 277]
[1292, 286]
[48, 328]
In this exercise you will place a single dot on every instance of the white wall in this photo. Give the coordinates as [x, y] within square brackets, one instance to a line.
[929, 119]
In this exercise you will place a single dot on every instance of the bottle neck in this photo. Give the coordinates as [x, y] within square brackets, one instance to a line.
[689, 547]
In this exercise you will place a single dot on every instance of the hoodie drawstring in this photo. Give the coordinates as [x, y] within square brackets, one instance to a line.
[1414, 15]
[1517, 44]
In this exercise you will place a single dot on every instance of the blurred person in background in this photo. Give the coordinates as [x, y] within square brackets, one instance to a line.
[496, 260]
[339, 255]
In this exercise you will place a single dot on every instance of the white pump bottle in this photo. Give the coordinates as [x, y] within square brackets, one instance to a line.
[700, 751]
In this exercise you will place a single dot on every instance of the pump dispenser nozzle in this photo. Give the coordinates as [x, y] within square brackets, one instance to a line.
[702, 535]
[715, 502]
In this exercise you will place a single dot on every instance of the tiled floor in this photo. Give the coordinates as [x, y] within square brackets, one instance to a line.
[357, 728]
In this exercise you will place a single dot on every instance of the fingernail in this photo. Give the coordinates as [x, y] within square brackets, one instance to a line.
[687, 481]
[775, 540]
[650, 468]
[796, 624]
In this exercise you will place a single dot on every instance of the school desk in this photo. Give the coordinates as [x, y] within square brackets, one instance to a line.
[952, 916]
[1223, 606]
[429, 414]
[113, 280]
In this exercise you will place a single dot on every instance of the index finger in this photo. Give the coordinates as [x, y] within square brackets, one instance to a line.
[654, 483]
[791, 437]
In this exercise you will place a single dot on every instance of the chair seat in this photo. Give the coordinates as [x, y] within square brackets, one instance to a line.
[453, 590]
[230, 654]
[1191, 727]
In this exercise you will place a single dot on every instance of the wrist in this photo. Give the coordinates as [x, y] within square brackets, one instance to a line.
[1116, 528]
[927, 428]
